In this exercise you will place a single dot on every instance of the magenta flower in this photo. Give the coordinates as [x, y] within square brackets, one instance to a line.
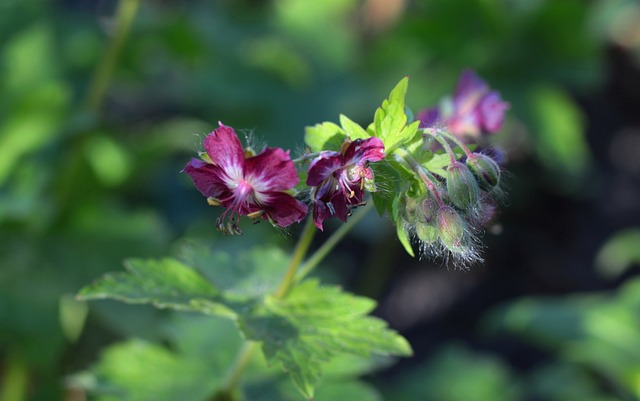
[338, 178]
[246, 185]
[475, 109]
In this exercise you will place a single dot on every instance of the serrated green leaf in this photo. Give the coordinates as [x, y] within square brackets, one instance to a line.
[245, 275]
[352, 129]
[325, 136]
[315, 323]
[392, 180]
[438, 164]
[390, 118]
[165, 283]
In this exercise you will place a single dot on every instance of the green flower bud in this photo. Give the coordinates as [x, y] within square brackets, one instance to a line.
[411, 209]
[485, 169]
[429, 208]
[462, 186]
[427, 233]
[452, 229]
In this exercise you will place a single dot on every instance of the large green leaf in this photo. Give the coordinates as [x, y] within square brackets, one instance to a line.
[203, 350]
[455, 373]
[315, 323]
[243, 275]
[599, 331]
[165, 283]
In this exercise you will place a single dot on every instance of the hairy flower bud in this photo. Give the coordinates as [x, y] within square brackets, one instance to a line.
[485, 169]
[451, 228]
[427, 232]
[462, 186]
[429, 208]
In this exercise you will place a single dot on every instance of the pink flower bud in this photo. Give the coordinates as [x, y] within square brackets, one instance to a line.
[452, 229]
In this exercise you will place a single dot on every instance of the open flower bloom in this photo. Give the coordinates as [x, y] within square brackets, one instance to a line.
[475, 109]
[246, 185]
[337, 178]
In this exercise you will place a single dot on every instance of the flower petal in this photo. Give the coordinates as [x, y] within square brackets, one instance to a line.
[367, 150]
[329, 202]
[224, 149]
[492, 110]
[207, 178]
[469, 84]
[323, 166]
[284, 209]
[428, 118]
[271, 170]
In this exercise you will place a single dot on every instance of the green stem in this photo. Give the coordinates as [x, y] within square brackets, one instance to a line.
[298, 254]
[404, 157]
[245, 355]
[15, 378]
[330, 243]
[431, 132]
[457, 141]
[125, 15]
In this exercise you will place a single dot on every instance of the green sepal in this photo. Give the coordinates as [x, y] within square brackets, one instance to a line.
[315, 323]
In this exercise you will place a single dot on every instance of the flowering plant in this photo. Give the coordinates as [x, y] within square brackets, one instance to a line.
[436, 187]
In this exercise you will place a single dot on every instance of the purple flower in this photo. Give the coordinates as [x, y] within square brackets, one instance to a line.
[246, 185]
[475, 109]
[338, 178]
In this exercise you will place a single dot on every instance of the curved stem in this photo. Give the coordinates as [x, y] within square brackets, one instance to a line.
[305, 157]
[298, 254]
[457, 141]
[330, 243]
[125, 15]
[404, 157]
[431, 132]
[240, 364]
[249, 348]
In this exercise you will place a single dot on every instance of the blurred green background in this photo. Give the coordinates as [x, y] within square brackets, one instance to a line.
[96, 123]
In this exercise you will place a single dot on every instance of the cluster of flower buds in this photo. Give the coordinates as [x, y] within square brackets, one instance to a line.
[454, 203]
[447, 199]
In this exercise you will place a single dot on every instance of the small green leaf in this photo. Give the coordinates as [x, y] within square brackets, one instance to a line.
[165, 283]
[401, 229]
[315, 323]
[390, 119]
[325, 136]
[439, 162]
[352, 129]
